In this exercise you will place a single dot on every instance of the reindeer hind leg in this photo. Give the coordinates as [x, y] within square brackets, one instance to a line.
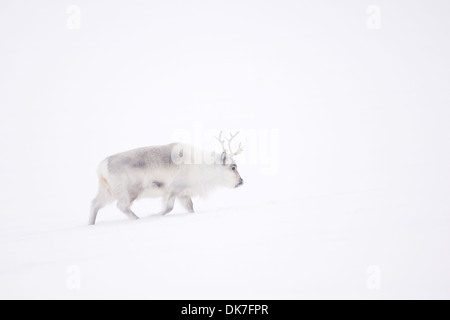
[125, 207]
[103, 198]
[126, 200]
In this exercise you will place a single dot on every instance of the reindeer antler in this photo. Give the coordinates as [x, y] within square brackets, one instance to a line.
[229, 145]
[222, 142]
[239, 151]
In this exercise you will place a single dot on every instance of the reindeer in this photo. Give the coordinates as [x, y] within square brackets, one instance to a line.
[170, 171]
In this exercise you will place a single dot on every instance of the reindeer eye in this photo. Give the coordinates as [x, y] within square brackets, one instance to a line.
[233, 167]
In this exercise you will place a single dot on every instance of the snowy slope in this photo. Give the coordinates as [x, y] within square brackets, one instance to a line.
[345, 129]
[318, 247]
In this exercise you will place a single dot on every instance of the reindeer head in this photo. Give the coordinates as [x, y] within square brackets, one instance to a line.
[227, 164]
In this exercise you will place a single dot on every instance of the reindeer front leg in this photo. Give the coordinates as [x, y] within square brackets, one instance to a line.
[186, 202]
[169, 203]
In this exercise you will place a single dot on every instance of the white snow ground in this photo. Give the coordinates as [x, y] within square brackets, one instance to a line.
[359, 177]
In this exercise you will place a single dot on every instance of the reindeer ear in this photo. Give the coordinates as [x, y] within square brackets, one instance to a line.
[223, 158]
